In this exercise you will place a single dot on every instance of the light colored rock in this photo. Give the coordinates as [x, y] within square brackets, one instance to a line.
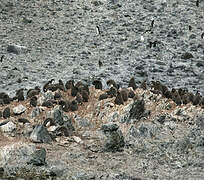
[17, 49]
[8, 127]
[19, 109]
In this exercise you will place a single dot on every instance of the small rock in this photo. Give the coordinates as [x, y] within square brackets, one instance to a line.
[40, 135]
[57, 115]
[187, 55]
[6, 113]
[8, 127]
[19, 109]
[38, 158]
[114, 140]
[16, 49]
[137, 109]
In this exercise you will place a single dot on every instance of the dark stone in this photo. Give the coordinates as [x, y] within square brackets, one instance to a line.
[38, 158]
[114, 138]
[23, 120]
[132, 83]
[47, 103]
[33, 101]
[109, 127]
[119, 99]
[137, 109]
[161, 119]
[6, 113]
[187, 55]
[40, 135]
[103, 96]
[98, 84]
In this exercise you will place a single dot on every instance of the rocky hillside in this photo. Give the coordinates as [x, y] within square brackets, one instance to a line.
[73, 131]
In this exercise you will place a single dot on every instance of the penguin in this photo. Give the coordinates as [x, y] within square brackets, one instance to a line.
[65, 105]
[113, 83]
[197, 3]
[202, 35]
[100, 64]
[61, 85]
[46, 86]
[119, 99]
[2, 57]
[132, 83]
[33, 92]
[69, 84]
[131, 94]
[33, 101]
[20, 94]
[74, 105]
[85, 95]
[112, 91]
[152, 23]
[176, 97]
[144, 85]
[97, 84]
[74, 91]
[103, 96]
[79, 98]
[124, 94]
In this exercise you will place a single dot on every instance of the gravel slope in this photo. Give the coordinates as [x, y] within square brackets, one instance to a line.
[62, 41]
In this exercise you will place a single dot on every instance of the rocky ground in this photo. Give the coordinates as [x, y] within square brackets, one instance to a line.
[59, 38]
[149, 136]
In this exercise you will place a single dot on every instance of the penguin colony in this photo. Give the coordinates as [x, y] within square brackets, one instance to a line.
[80, 94]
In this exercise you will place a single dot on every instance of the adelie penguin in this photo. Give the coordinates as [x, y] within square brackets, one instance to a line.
[33, 92]
[20, 95]
[2, 57]
[46, 86]
[132, 83]
[100, 64]
[97, 84]
[113, 83]
[124, 94]
[74, 105]
[152, 23]
[33, 101]
[202, 35]
[197, 3]
[119, 99]
[69, 84]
